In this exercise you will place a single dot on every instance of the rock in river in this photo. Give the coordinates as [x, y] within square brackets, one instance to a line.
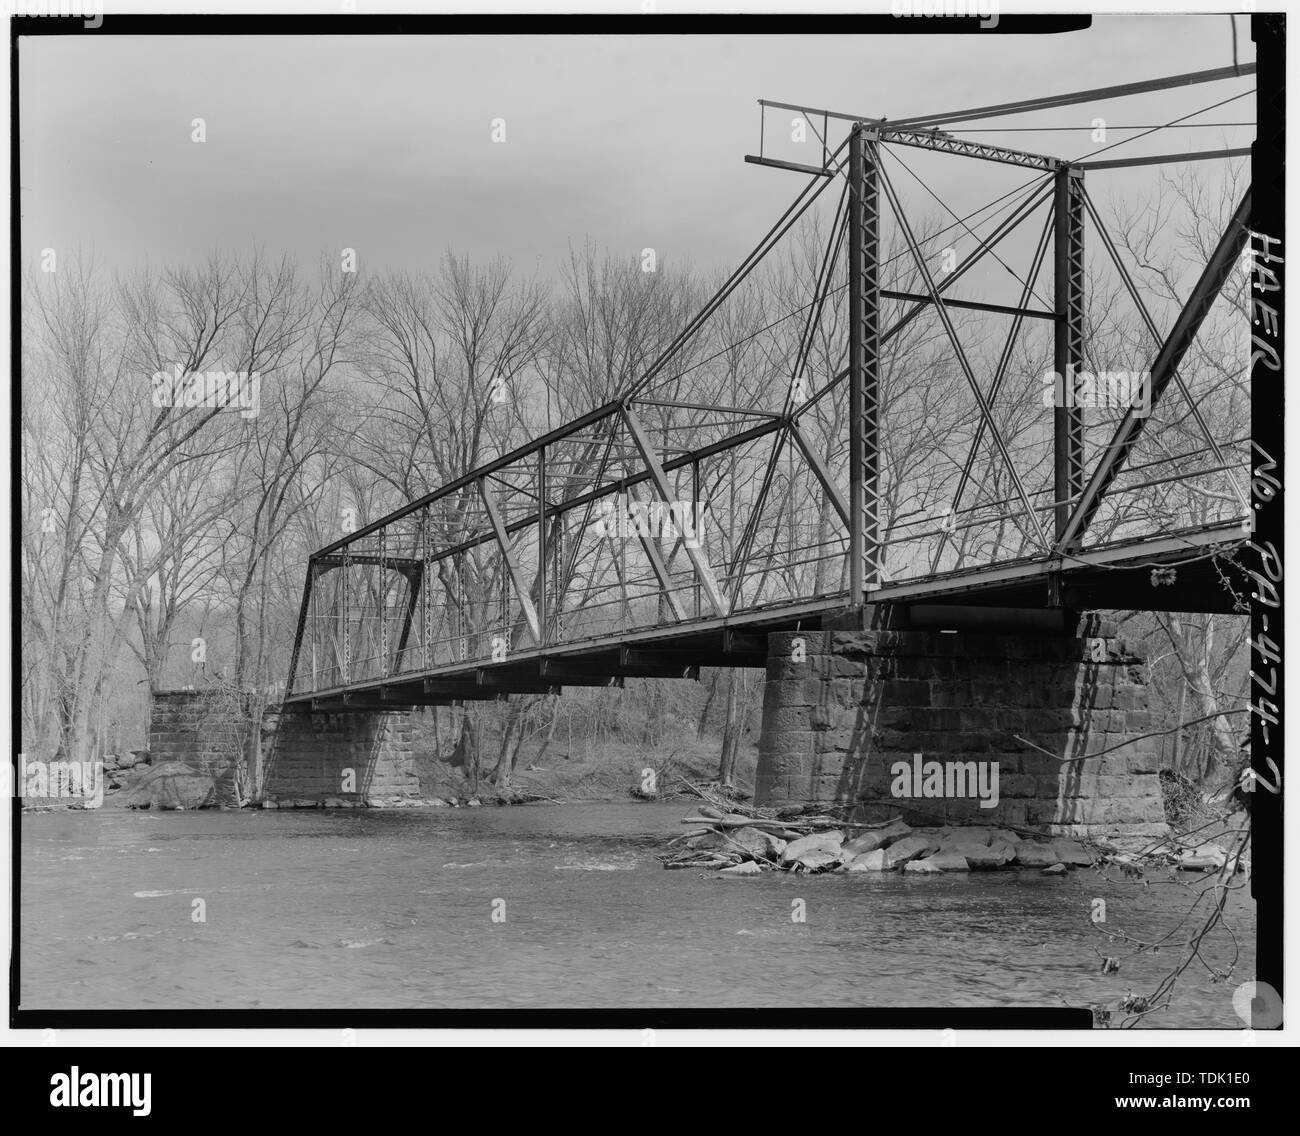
[748, 868]
[1036, 854]
[757, 843]
[816, 861]
[909, 848]
[878, 838]
[981, 856]
[923, 867]
[1206, 858]
[817, 842]
[868, 862]
[945, 861]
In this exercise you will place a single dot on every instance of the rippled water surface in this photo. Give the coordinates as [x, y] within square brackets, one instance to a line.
[394, 909]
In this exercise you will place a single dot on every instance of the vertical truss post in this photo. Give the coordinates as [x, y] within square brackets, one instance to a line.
[1067, 355]
[303, 615]
[864, 363]
[697, 519]
[458, 607]
[414, 582]
[346, 570]
[557, 574]
[383, 603]
[541, 542]
[426, 589]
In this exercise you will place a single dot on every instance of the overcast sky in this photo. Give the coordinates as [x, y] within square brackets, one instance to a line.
[385, 144]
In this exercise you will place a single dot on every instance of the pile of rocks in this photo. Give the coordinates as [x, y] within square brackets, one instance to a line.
[118, 767]
[733, 844]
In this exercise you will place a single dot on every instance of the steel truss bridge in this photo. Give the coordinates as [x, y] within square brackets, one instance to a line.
[670, 529]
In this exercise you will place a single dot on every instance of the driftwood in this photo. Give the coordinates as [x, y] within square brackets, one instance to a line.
[718, 816]
[785, 829]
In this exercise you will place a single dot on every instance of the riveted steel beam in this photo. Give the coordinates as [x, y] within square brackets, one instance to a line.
[1067, 354]
[865, 550]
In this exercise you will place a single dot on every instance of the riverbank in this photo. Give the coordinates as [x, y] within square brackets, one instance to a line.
[609, 772]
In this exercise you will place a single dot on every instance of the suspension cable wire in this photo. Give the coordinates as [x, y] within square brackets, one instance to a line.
[998, 377]
[1136, 296]
[1029, 202]
[1025, 190]
[796, 210]
[1164, 126]
[729, 285]
[1034, 293]
[839, 228]
[947, 209]
[1074, 98]
[764, 246]
[821, 291]
[906, 229]
[1113, 253]
[1093, 154]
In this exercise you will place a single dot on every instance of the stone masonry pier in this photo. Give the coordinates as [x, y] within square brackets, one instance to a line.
[341, 759]
[204, 731]
[842, 709]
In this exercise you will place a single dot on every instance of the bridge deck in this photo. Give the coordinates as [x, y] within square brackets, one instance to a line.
[1118, 576]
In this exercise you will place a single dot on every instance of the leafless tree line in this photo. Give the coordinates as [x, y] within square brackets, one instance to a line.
[166, 544]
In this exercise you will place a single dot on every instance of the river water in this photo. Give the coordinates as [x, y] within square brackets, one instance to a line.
[375, 909]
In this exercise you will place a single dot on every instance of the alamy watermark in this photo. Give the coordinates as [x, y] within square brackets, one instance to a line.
[240, 390]
[92, 13]
[75, 1089]
[986, 13]
[1115, 389]
[621, 518]
[62, 780]
[921, 780]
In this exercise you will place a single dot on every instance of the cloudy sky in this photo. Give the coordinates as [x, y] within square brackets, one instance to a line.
[384, 144]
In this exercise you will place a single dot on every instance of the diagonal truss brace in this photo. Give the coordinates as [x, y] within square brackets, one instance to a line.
[1033, 200]
[1176, 345]
[923, 269]
[660, 569]
[822, 474]
[1154, 332]
[995, 387]
[703, 570]
[512, 561]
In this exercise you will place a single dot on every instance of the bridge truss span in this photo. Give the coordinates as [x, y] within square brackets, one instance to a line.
[887, 437]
